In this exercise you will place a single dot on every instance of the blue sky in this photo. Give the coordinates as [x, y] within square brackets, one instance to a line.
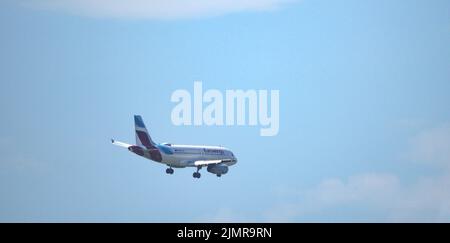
[364, 119]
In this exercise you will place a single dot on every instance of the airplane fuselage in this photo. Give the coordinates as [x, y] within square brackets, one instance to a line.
[180, 156]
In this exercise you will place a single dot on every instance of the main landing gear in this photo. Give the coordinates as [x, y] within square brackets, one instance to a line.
[169, 171]
[197, 174]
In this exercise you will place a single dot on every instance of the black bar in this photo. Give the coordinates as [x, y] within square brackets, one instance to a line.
[220, 231]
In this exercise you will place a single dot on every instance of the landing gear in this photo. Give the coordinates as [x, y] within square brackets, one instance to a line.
[219, 175]
[197, 174]
[169, 171]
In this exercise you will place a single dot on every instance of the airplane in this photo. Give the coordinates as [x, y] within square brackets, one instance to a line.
[216, 159]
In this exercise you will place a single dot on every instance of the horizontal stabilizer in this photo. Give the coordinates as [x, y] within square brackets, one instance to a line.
[120, 144]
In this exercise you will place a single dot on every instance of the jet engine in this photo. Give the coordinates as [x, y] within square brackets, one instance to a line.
[218, 169]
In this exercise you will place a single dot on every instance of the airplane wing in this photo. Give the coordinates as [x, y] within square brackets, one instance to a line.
[210, 162]
[120, 144]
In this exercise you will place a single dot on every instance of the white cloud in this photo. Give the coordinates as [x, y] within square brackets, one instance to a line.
[223, 215]
[427, 199]
[432, 146]
[358, 188]
[156, 9]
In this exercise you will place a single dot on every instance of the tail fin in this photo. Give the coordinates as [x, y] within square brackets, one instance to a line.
[142, 136]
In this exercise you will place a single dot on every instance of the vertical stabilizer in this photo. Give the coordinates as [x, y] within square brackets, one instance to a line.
[143, 138]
